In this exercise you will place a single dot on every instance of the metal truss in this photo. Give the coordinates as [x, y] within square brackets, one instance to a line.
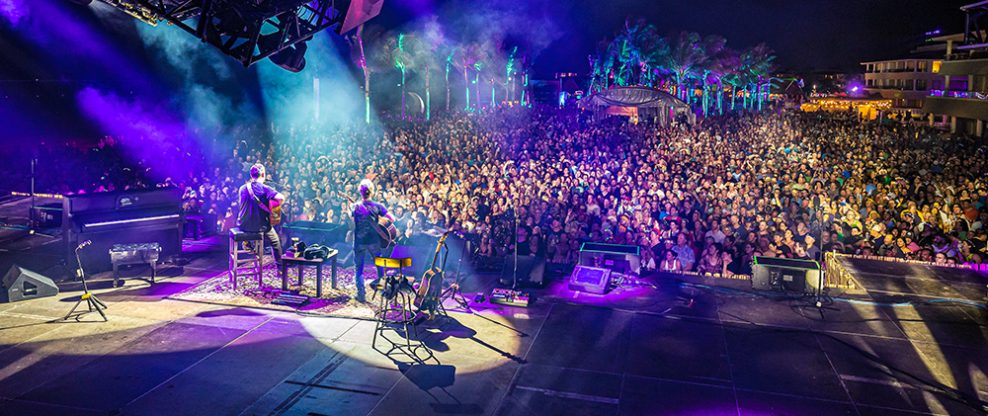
[247, 30]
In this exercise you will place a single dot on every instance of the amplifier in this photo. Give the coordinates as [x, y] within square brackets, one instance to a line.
[590, 279]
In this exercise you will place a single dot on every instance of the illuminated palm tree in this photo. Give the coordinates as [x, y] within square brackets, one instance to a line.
[467, 58]
[755, 69]
[683, 60]
[713, 46]
[395, 51]
[360, 59]
[720, 71]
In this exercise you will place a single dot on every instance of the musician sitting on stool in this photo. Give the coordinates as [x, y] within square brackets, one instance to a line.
[366, 240]
[256, 200]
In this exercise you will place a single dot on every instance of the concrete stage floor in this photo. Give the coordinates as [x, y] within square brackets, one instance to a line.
[697, 349]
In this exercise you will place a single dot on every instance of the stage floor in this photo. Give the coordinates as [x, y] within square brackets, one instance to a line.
[688, 347]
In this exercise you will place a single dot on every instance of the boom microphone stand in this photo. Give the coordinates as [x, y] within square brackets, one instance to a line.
[92, 301]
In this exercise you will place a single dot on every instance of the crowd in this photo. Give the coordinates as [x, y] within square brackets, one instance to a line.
[702, 198]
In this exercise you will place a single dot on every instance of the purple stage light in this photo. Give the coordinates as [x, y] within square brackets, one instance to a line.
[153, 138]
[13, 11]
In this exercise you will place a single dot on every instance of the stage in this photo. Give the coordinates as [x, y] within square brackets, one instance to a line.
[695, 346]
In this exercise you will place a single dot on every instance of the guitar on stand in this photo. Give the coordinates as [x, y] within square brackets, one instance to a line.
[427, 297]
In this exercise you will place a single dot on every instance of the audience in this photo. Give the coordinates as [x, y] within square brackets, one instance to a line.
[702, 198]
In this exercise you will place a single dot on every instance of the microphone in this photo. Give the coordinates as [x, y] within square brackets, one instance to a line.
[84, 244]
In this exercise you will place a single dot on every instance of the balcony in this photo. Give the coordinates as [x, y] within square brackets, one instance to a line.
[974, 95]
[970, 107]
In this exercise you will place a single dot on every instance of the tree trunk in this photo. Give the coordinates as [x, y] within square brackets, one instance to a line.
[476, 89]
[524, 87]
[758, 88]
[363, 67]
[734, 96]
[704, 98]
[447, 88]
[403, 94]
[428, 100]
[466, 87]
[720, 99]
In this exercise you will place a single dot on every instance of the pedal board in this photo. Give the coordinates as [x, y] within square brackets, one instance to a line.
[508, 297]
[288, 299]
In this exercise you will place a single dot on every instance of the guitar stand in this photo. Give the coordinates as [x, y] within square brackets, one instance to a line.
[395, 312]
[92, 301]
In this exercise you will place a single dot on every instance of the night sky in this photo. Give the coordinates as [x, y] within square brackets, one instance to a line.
[807, 35]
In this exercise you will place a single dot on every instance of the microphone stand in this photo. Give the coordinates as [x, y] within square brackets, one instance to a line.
[92, 301]
[514, 271]
[33, 220]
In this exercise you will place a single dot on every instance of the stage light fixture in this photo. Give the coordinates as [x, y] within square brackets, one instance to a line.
[250, 31]
[291, 58]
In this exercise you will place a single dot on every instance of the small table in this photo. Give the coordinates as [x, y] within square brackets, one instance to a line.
[300, 262]
[144, 253]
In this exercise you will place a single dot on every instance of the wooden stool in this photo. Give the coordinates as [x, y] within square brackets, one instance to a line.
[243, 261]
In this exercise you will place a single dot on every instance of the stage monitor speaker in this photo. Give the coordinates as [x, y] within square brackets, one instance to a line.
[531, 270]
[22, 284]
[619, 258]
[590, 279]
[791, 275]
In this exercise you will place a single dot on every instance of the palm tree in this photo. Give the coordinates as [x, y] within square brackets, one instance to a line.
[395, 51]
[600, 65]
[357, 50]
[466, 58]
[756, 66]
[683, 59]
[712, 46]
[720, 70]
[450, 63]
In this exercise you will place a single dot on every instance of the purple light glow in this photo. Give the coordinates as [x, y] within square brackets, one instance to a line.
[12, 11]
[148, 133]
[67, 37]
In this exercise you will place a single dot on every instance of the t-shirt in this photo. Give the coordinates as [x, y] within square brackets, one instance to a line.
[365, 215]
[252, 218]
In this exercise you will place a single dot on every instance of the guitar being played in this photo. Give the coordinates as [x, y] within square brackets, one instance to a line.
[368, 238]
[260, 209]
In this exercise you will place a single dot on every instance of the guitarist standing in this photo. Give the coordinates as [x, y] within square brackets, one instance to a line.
[256, 202]
[366, 239]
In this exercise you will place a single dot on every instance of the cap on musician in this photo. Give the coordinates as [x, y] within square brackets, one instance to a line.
[366, 188]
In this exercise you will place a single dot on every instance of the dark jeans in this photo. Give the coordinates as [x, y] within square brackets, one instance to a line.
[271, 237]
[359, 251]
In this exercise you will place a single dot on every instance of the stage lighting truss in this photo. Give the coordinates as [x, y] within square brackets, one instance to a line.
[247, 30]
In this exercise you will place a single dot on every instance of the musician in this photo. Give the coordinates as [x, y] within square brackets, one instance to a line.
[366, 240]
[256, 200]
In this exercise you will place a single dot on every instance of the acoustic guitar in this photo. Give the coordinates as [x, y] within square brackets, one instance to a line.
[427, 295]
[386, 230]
[273, 207]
